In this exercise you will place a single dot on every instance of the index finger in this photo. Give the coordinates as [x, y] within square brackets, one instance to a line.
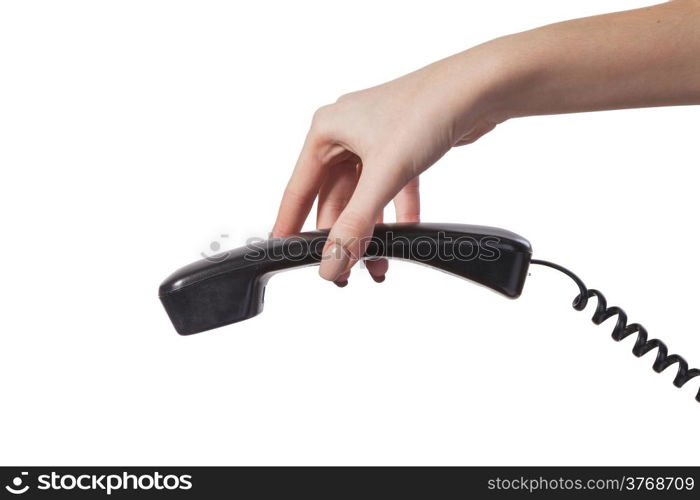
[301, 190]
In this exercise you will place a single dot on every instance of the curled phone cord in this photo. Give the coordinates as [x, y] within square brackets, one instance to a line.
[622, 330]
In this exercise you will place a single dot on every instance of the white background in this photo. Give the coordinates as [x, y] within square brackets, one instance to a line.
[133, 134]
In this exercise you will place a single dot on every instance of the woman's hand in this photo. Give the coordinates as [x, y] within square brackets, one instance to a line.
[369, 147]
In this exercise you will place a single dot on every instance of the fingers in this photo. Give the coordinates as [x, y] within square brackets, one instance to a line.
[329, 170]
[301, 191]
[319, 151]
[377, 268]
[350, 234]
[407, 202]
[335, 192]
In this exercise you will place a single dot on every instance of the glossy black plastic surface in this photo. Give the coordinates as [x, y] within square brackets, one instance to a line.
[229, 287]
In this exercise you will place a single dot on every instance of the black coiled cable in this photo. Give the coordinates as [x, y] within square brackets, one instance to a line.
[622, 330]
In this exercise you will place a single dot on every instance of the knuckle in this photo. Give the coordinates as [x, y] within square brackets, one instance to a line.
[345, 97]
[411, 188]
[355, 223]
[335, 206]
[321, 115]
[294, 196]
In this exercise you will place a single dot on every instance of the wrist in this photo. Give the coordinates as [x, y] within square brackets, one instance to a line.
[512, 69]
[484, 85]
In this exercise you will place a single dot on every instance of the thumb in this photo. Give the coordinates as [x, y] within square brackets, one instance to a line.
[352, 231]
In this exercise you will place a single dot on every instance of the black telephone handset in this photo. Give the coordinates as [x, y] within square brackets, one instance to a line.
[230, 287]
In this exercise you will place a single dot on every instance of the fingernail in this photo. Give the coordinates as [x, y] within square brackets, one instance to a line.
[341, 284]
[379, 279]
[334, 262]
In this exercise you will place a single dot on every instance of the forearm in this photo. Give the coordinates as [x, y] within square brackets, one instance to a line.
[639, 58]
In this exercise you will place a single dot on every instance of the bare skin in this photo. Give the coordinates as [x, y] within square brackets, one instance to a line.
[369, 147]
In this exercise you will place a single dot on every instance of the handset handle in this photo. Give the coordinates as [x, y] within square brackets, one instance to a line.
[229, 287]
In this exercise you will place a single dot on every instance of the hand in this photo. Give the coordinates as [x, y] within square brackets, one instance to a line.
[368, 148]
